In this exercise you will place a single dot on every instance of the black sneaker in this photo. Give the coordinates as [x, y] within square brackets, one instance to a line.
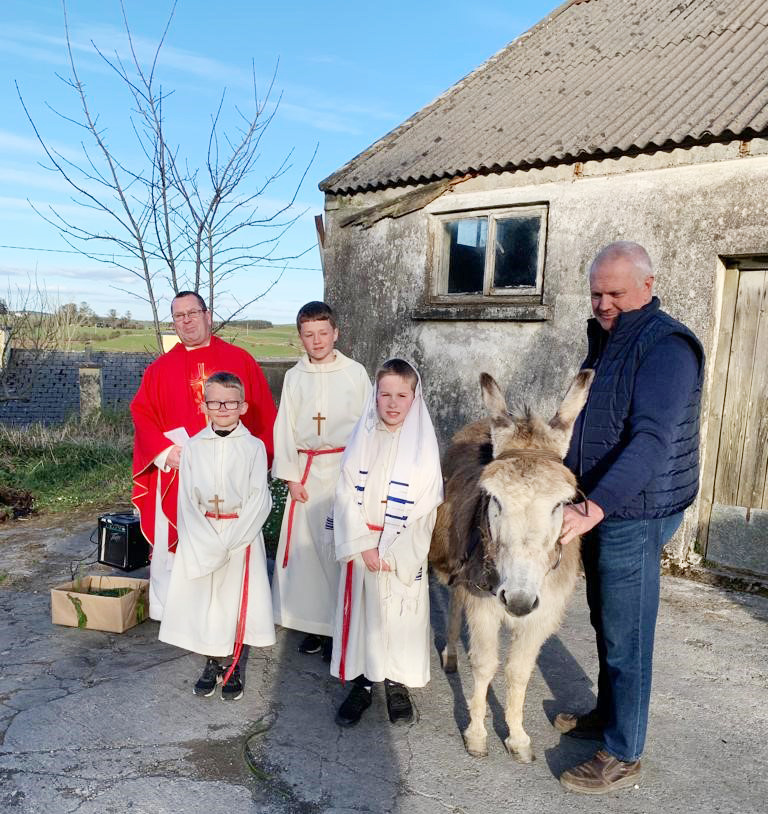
[356, 703]
[399, 704]
[233, 689]
[327, 649]
[206, 684]
[310, 645]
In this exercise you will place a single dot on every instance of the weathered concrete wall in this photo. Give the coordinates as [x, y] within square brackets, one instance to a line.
[689, 208]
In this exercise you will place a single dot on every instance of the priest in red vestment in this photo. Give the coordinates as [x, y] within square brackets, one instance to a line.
[167, 409]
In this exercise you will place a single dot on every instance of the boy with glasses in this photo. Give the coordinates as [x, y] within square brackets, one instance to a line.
[218, 598]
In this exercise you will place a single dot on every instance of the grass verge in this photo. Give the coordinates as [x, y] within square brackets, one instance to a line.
[87, 464]
[81, 463]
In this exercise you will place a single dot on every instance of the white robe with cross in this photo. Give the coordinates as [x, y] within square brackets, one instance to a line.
[389, 633]
[319, 407]
[221, 476]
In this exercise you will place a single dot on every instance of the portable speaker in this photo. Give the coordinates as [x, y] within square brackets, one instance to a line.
[121, 543]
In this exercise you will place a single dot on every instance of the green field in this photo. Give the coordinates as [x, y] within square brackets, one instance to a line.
[277, 341]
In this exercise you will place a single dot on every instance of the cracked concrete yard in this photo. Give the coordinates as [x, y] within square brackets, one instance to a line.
[95, 722]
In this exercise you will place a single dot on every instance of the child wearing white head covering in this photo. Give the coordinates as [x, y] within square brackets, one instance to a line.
[384, 513]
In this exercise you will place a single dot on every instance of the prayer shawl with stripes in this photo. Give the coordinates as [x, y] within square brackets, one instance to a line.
[415, 488]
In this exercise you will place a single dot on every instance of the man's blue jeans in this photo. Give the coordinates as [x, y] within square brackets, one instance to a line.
[621, 564]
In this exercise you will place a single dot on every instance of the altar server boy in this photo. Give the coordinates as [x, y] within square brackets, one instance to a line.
[384, 513]
[323, 396]
[218, 598]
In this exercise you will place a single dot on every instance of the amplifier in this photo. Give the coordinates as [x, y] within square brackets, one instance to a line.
[121, 543]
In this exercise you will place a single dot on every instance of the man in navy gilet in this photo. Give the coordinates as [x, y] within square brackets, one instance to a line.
[635, 451]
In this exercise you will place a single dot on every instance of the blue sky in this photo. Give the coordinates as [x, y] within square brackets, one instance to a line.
[348, 73]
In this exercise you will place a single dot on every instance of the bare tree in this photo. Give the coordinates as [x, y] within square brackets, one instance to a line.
[181, 227]
[37, 321]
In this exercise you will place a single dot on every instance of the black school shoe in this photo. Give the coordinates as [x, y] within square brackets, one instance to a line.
[355, 704]
[399, 704]
[310, 645]
[206, 684]
[233, 689]
[327, 649]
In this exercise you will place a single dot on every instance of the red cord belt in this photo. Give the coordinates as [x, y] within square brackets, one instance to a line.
[310, 453]
[347, 611]
[240, 632]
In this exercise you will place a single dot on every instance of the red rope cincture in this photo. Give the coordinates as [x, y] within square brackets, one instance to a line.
[310, 453]
[240, 633]
[347, 613]
[221, 516]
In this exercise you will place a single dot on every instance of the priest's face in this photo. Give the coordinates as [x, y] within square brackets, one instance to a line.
[224, 405]
[192, 324]
[318, 337]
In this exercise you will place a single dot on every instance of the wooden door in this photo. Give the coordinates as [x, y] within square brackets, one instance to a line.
[737, 533]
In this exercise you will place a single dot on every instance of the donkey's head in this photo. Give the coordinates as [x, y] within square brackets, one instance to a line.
[526, 485]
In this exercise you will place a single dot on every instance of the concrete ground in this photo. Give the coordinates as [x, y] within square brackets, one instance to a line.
[95, 722]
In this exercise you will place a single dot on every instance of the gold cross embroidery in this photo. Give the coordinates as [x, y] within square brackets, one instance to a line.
[318, 418]
[216, 502]
[198, 385]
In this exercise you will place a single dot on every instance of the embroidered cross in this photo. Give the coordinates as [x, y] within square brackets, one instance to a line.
[198, 385]
[216, 500]
[318, 418]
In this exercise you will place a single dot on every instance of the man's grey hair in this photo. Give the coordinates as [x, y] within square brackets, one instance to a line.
[630, 250]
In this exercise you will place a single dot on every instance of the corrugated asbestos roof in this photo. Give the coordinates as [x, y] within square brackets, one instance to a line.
[596, 77]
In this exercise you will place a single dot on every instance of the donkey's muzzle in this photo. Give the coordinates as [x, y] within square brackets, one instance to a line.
[518, 603]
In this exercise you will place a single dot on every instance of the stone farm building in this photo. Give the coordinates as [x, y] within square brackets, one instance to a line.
[644, 120]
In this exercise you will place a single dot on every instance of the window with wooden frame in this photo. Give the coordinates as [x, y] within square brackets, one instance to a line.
[489, 258]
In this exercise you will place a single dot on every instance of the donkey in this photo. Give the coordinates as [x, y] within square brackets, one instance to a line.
[496, 544]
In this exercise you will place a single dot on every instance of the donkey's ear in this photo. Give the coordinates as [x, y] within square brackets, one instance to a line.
[572, 404]
[494, 401]
[503, 427]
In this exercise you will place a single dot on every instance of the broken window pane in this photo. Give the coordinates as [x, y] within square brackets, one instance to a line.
[466, 258]
[517, 249]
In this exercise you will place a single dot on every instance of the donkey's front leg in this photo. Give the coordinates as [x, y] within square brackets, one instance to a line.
[521, 659]
[449, 656]
[484, 624]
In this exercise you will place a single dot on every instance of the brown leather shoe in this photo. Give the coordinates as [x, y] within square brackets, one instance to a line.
[601, 775]
[589, 726]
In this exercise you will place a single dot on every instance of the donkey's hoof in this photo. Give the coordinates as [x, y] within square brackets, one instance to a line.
[477, 747]
[522, 753]
[449, 660]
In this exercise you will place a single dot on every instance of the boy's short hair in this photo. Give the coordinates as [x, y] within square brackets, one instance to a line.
[398, 367]
[226, 379]
[194, 294]
[315, 311]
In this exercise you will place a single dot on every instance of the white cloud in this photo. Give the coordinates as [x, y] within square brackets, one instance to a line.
[33, 178]
[14, 143]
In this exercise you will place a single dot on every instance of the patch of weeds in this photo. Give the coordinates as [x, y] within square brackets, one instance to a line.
[80, 463]
[4, 577]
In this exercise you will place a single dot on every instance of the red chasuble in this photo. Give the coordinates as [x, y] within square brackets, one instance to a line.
[171, 395]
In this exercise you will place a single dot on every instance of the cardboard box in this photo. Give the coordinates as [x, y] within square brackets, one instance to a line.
[78, 608]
